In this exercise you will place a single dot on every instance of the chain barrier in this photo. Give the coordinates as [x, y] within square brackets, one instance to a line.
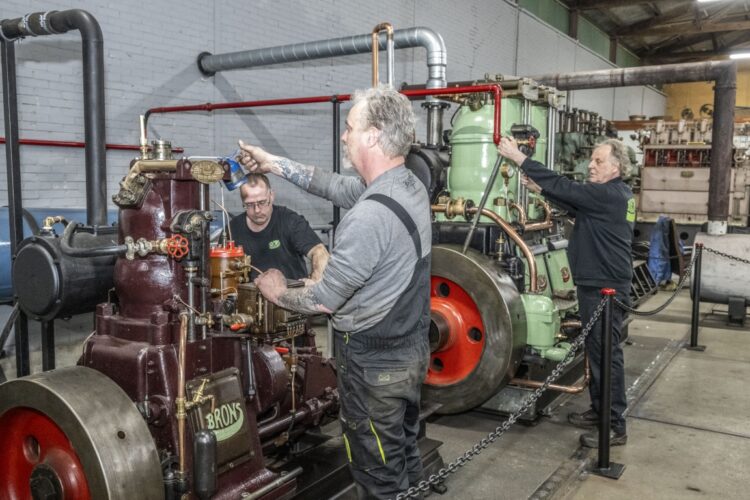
[680, 285]
[475, 450]
[726, 255]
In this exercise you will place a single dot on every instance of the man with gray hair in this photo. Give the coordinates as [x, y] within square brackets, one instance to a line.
[599, 253]
[375, 287]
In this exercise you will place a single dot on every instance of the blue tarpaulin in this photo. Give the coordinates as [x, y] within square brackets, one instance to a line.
[658, 252]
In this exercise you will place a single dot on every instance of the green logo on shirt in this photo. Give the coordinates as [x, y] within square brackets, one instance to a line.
[630, 215]
[274, 244]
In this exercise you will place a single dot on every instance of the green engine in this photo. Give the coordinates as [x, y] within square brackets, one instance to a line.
[509, 300]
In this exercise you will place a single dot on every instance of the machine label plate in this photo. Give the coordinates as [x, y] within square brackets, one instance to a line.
[224, 413]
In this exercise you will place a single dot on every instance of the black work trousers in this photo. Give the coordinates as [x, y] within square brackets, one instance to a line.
[588, 300]
[379, 391]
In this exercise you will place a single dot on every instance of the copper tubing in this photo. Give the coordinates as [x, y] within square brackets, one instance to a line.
[569, 389]
[145, 166]
[546, 224]
[571, 323]
[376, 49]
[521, 213]
[180, 401]
[534, 226]
[512, 234]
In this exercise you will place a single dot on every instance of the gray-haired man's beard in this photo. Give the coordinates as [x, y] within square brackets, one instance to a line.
[346, 161]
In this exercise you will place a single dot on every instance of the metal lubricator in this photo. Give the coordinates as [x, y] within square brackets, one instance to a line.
[525, 136]
[260, 317]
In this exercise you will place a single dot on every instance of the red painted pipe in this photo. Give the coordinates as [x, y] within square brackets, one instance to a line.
[208, 106]
[75, 144]
[469, 89]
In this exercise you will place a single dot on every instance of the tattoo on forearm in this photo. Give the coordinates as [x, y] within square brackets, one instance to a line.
[294, 172]
[301, 300]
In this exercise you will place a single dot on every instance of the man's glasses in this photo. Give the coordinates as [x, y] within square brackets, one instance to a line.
[257, 204]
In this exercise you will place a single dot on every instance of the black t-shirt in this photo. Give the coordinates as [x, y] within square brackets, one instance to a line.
[282, 244]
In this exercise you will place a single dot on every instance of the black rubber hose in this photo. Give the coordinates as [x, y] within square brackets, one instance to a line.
[67, 249]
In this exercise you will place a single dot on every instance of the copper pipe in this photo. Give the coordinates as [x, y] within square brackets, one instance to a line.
[180, 400]
[145, 166]
[546, 224]
[569, 389]
[512, 234]
[521, 213]
[535, 226]
[525, 250]
[571, 323]
[376, 49]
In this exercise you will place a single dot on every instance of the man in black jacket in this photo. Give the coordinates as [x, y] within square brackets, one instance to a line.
[599, 253]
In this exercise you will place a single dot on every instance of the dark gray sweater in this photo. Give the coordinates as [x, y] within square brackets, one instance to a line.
[373, 256]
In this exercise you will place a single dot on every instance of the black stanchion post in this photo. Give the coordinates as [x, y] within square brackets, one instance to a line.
[604, 467]
[696, 292]
[336, 155]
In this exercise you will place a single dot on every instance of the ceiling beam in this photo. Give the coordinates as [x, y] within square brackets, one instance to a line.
[603, 4]
[635, 29]
[678, 57]
[667, 46]
[729, 46]
[691, 28]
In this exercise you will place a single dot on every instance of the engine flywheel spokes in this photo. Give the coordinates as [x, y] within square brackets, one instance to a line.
[38, 458]
[456, 333]
[73, 433]
[477, 329]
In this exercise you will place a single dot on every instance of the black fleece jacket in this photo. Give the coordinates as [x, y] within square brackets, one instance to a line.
[599, 249]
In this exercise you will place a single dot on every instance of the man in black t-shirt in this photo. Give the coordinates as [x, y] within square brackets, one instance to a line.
[274, 236]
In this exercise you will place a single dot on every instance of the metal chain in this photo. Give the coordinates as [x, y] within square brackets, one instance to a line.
[726, 255]
[680, 285]
[475, 450]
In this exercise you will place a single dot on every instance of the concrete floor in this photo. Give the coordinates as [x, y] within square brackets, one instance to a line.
[689, 433]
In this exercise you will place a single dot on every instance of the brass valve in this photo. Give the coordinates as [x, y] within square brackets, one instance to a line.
[51, 221]
[199, 398]
[458, 206]
[176, 247]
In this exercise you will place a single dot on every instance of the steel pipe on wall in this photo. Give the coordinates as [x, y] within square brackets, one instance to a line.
[437, 59]
[55, 23]
[723, 73]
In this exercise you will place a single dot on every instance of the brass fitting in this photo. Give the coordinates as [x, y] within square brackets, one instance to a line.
[51, 221]
[456, 207]
[143, 247]
[199, 398]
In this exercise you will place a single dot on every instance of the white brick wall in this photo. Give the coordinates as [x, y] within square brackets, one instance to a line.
[150, 59]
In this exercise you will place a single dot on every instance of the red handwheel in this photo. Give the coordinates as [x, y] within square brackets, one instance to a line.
[177, 246]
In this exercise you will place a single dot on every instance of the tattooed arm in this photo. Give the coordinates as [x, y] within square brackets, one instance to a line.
[343, 191]
[257, 160]
[272, 285]
[302, 300]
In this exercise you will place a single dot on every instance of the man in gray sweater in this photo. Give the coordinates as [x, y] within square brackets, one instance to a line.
[375, 287]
